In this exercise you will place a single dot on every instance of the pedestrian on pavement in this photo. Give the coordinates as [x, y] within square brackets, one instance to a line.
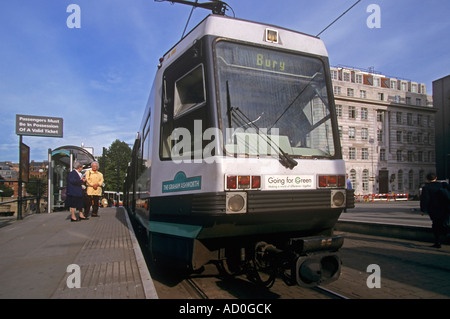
[74, 199]
[349, 183]
[434, 203]
[349, 186]
[94, 182]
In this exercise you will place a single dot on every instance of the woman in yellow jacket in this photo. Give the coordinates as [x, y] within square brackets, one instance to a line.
[94, 182]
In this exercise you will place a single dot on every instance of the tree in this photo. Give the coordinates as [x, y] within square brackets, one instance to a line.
[114, 163]
[5, 190]
[32, 187]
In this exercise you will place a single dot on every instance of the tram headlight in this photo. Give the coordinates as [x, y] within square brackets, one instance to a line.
[236, 202]
[337, 198]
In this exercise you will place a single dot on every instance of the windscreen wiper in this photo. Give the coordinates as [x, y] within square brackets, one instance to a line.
[295, 99]
[285, 159]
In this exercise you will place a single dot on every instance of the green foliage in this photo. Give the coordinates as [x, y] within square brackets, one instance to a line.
[113, 165]
[6, 191]
[32, 186]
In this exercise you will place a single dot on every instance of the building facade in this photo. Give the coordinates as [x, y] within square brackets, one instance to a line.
[441, 102]
[386, 126]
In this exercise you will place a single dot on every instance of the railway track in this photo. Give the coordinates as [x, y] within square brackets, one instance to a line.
[195, 289]
[328, 292]
[209, 287]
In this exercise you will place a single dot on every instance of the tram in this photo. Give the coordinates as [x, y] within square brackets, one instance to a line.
[237, 161]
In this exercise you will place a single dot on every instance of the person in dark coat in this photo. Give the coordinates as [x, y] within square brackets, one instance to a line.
[74, 198]
[434, 203]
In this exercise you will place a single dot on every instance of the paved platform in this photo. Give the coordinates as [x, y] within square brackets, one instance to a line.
[396, 219]
[393, 212]
[35, 254]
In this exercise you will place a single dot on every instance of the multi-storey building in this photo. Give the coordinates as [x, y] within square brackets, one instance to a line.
[386, 126]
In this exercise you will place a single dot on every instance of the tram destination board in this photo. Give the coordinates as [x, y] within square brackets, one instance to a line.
[39, 125]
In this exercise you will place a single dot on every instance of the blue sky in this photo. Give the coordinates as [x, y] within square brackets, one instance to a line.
[98, 77]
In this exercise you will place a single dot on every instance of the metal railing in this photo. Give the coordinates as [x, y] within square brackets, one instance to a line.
[23, 204]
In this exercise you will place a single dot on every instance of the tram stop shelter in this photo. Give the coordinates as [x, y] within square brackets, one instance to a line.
[60, 164]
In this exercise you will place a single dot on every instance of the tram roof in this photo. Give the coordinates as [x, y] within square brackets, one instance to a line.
[232, 28]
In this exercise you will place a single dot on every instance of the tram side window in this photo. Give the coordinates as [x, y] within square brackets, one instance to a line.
[184, 106]
[189, 92]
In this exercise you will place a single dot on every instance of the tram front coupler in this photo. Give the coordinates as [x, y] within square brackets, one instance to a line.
[307, 262]
[316, 261]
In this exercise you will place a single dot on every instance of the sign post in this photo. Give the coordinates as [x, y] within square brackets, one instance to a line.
[24, 169]
[32, 125]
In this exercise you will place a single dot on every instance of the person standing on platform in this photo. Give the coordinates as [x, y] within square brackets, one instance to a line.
[433, 202]
[94, 182]
[74, 199]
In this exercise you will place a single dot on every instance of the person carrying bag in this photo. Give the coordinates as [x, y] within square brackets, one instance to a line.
[94, 182]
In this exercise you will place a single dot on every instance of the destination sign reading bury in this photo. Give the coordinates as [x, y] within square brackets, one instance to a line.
[39, 125]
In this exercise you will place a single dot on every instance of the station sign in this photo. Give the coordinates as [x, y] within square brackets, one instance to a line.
[39, 125]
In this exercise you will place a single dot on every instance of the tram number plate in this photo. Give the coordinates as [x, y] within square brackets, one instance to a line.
[288, 182]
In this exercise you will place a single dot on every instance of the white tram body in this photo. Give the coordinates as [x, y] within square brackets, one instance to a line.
[238, 158]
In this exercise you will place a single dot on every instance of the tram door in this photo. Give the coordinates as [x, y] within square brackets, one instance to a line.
[383, 181]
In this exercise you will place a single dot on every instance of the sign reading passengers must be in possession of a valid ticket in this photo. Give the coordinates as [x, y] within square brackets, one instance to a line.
[39, 125]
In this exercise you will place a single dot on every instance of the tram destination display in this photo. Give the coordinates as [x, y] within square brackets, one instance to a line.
[39, 125]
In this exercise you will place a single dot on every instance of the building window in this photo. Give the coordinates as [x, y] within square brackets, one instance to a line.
[420, 156]
[403, 86]
[353, 178]
[339, 110]
[352, 153]
[399, 117]
[365, 180]
[380, 135]
[408, 100]
[409, 138]
[359, 78]
[394, 84]
[410, 156]
[419, 120]
[364, 113]
[337, 90]
[414, 88]
[376, 82]
[334, 75]
[418, 102]
[350, 92]
[381, 96]
[399, 156]
[365, 154]
[362, 94]
[422, 89]
[419, 137]
[380, 116]
[364, 133]
[409, 118]
[340, 131]
[351, 112]
[421, 176]
[382, 154]
[347, 76]
[399, 136]
[351, 132]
